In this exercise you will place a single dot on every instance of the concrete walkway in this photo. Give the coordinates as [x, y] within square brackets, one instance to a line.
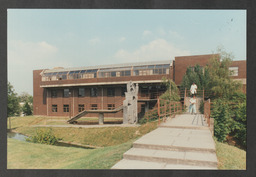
[183, 142]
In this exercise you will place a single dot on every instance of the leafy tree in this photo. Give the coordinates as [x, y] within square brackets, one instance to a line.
[25, 97]
[172, 91]
[199, 75]
[13, 107]
[27, 109]
[221, 84]
[28, 100]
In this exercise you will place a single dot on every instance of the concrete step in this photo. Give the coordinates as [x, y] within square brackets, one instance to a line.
[178, 140]
[172, 157]
[136, 164]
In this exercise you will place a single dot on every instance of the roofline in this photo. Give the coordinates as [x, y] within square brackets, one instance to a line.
[197, 55]
[109, 66]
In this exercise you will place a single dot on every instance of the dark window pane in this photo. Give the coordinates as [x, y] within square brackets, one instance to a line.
[94, 92]
[80, 107]
[113, 74]
[66, 93]
[54, 93]
[123, 90]
[94, 106]
[65, 108]
[81, 92]
[54, 108]
[111, 91]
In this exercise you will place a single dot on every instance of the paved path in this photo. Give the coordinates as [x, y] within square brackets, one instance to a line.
[183, 142]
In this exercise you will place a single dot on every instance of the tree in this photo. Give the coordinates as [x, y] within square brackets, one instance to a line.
[28, 100]
[198, 75]
[25, 97]
[172, 91]
[27, 109]
[220, 83]
[13, 107]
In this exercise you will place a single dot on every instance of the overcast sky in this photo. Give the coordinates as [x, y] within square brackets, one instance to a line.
[41, 39]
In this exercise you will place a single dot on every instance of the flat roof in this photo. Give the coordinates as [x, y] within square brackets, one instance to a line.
[163, 62]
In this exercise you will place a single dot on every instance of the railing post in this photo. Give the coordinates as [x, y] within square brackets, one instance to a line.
[165, 111]
[158, 110]
[185, 94]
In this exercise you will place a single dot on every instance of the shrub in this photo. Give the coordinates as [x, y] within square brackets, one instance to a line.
[44, 136]
[222, 120]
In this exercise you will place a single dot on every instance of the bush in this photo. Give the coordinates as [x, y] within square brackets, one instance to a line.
[44, 136]
[222, 120]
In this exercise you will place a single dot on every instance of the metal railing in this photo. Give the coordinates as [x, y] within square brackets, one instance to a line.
[164, 109]
[200, 93]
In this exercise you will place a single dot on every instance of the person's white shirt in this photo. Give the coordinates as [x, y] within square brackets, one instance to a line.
[193, 88]
[192, 101]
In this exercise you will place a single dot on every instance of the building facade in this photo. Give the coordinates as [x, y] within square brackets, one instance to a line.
[67, 91]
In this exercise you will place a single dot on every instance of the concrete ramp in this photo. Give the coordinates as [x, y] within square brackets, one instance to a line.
[180, 143]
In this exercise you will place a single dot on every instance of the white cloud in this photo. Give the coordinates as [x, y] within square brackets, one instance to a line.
[122, 39]
[24, 57]
[158, 49]
[94, 41]
[146, 33]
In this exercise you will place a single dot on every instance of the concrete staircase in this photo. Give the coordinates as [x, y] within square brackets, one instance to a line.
[177, 147]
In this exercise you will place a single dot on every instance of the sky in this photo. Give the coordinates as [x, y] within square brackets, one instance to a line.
[48, 38]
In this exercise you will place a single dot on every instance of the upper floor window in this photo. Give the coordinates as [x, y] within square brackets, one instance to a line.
[66, 93]
[54, 93]
[233, 71]
[94, 92]
[110, 91]
[123, 90]
[81, 92]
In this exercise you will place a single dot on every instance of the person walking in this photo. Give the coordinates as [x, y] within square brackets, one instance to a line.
[192, 106]
[193, 89]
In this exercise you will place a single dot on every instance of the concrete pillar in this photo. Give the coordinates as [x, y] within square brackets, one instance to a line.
[101, 118]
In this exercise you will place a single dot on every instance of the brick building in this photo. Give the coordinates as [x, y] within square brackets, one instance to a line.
[68, 91]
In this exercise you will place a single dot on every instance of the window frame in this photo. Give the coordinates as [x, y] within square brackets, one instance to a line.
[66, 95]
[95, 91]
[66, 108]
[55, 91]
[54, 107]
[81, 95]
[81, 107]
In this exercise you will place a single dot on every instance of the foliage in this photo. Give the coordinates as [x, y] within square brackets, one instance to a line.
[198, 75]
[13, 107]
[28, 100]
[221, 84]
[172, 91]
[222, 120]
[25, 97]
[27, 109]
[44, 136]
[201, 107]
[230, 117]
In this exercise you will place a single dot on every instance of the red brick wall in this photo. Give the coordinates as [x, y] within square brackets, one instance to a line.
[39, 94]
[241, 64]
[183, 62]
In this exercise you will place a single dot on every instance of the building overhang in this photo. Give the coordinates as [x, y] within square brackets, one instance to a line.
[100, 83]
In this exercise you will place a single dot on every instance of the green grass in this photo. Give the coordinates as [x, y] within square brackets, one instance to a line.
[230, 157]
[24, 155]
[100, 137]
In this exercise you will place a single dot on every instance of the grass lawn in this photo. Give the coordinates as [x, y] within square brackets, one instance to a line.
[100, 137]
[230, 157]
[24, 155]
